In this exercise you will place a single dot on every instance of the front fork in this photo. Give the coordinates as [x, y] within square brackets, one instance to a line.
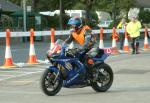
[56, 72]
[56, 78]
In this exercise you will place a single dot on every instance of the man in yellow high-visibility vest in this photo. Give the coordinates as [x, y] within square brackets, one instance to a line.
[133, 29]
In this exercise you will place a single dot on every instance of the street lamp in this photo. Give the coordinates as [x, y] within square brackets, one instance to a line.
[61, 14]
[0, 11]
[0, 15]
[24, 16]
[114, 13]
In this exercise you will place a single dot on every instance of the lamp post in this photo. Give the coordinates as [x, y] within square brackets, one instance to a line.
[114, 13]
[61, 14]
[0, 16]
[24, 16]
[0, 12]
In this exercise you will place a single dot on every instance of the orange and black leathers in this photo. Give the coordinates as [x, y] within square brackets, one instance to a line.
[83, 37]
[86, 39]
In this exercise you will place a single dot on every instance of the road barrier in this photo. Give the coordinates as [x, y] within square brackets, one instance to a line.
[64, 32]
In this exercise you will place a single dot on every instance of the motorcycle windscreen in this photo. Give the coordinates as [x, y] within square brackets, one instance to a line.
[55, 49]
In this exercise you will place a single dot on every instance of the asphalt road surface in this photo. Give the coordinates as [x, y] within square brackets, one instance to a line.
[131, 84]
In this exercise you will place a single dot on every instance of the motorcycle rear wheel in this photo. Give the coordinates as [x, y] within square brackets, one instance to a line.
[105, 78]
[47, 83]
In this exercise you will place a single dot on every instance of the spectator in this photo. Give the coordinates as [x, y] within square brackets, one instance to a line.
[133, 29]
[122, 24]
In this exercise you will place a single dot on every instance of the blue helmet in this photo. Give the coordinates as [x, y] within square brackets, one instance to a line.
[75, 21]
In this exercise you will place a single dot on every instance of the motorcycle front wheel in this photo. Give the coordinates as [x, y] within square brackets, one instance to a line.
[104, 78]
[49, 84]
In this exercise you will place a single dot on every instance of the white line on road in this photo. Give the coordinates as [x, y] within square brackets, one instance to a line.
[5, 75]
[20, 92]
[20, 75]
[15, 72]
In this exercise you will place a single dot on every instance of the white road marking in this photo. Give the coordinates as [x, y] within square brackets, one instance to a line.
[5, 75]
[21, 75]
[20, 92]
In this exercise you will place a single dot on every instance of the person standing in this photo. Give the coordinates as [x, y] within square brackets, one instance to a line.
[122, 24]
[133, 29]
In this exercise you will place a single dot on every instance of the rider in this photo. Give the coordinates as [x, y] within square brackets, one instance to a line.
[82, 34]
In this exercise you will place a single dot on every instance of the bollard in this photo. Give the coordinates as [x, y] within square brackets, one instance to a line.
[8, 62]
[101, 43]
[32, 56]
[146, 46]
[126, 43]
[114, 44]
[52, 38]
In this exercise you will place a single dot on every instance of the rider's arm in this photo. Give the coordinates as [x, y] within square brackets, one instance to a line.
[69, 39]
[88, 40]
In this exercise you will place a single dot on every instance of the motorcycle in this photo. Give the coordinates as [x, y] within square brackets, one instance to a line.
[69, 69]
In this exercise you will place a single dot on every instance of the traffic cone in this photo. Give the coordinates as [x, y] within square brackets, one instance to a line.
[114, 44]
[101, 43]
[126, 43]
[32, 56]
[52, 38]
[146, 46]
[8, 62]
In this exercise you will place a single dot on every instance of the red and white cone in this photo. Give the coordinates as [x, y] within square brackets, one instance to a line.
[101, 43]
[32, 56]
[146, 45]
[126, 43]
[52, 38]
[114, 43]
[8, 62]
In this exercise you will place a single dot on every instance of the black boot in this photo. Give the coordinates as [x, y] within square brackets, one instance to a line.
[137, 48]
[133, 48]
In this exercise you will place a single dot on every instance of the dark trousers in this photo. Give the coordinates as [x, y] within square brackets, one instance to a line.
[121, 37]
[135, 45]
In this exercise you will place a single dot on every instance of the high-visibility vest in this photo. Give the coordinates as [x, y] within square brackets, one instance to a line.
[134, 29]
[80, 37]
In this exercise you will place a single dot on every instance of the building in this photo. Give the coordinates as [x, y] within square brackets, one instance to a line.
[71, 13]
[8, 7]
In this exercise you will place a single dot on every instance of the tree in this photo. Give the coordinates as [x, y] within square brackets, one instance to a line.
[144, 16]
[114, 7]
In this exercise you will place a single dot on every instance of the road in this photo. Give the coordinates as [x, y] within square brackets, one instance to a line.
[131, 84]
